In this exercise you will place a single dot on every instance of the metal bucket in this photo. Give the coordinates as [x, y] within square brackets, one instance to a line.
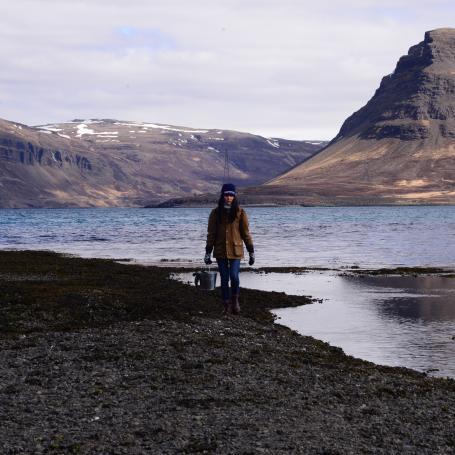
[205, 281]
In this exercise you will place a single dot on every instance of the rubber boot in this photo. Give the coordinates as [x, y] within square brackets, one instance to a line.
[235, 305]
[227, 307]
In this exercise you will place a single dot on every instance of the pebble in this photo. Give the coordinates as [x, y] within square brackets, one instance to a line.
[221, 386]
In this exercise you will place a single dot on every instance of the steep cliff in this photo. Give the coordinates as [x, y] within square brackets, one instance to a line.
[399, 148]
[37, 168]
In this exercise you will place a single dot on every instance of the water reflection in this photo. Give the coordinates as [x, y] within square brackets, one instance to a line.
[391, 320]
[426, 298]
[426, 309]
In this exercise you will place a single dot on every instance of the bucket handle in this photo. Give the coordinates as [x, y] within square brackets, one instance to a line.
[197, 279]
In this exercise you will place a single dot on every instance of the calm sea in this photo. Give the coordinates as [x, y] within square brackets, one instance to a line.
[314, 237]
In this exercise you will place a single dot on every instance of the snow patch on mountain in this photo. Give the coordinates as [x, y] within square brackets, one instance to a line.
[273, 142]
[52, 128]
[160, 127]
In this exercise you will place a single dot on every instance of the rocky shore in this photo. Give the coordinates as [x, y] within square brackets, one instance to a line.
[104, 358]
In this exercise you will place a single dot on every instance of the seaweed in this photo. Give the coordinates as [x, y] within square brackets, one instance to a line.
[42, 291]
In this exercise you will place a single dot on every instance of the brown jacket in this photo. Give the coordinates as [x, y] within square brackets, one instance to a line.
[227, 238]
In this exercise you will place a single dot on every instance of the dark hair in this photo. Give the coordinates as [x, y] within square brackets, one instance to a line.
[232, 212]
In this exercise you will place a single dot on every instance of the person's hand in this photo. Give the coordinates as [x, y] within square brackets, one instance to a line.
[252, 258]
[207, 259]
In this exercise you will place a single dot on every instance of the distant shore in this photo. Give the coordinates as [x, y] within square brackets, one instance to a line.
[102, 357]
[209, 201]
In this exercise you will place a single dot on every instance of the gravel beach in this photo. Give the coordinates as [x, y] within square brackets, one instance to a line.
[104, 358]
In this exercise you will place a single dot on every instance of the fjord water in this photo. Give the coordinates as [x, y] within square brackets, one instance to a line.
[391, 320]
[297, 236]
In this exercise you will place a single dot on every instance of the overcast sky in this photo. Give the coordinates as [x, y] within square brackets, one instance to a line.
[281, 68]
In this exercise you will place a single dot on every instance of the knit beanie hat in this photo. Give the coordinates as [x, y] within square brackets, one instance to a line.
[228, 188]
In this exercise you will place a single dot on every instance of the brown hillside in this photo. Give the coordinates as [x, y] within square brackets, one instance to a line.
[109, 163]
[397, 149]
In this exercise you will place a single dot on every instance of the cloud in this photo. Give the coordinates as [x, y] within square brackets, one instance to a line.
[290, 68]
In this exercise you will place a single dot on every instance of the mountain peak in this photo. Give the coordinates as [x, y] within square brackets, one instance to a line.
[446, 34]
[397, 149]
[417, 100]
[438, 47]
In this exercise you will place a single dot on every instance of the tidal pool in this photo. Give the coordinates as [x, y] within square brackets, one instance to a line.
[406, 321]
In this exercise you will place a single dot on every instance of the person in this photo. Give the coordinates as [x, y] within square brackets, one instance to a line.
[227, 230]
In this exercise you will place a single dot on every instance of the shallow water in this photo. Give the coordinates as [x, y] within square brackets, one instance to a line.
[389, 320]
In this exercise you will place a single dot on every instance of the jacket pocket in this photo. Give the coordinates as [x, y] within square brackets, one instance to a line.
[238, 249]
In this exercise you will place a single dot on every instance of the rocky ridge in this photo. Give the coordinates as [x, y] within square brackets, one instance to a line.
[417, 100]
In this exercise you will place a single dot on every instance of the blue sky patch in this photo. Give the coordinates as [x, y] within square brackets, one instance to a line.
[151, 39]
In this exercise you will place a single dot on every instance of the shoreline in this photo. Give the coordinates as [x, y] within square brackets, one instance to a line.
[159, 205]
[104, 357]
[178, 265]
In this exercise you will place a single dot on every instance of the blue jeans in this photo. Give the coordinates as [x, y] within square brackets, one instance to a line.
[229, 268]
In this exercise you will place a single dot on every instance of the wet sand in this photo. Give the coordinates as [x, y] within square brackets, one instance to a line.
[101, 357]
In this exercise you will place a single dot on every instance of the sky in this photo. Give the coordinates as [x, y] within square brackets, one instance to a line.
[294, 69]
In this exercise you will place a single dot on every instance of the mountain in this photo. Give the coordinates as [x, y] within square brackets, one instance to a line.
[108, 163]
[38, 168]
[397, 149]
